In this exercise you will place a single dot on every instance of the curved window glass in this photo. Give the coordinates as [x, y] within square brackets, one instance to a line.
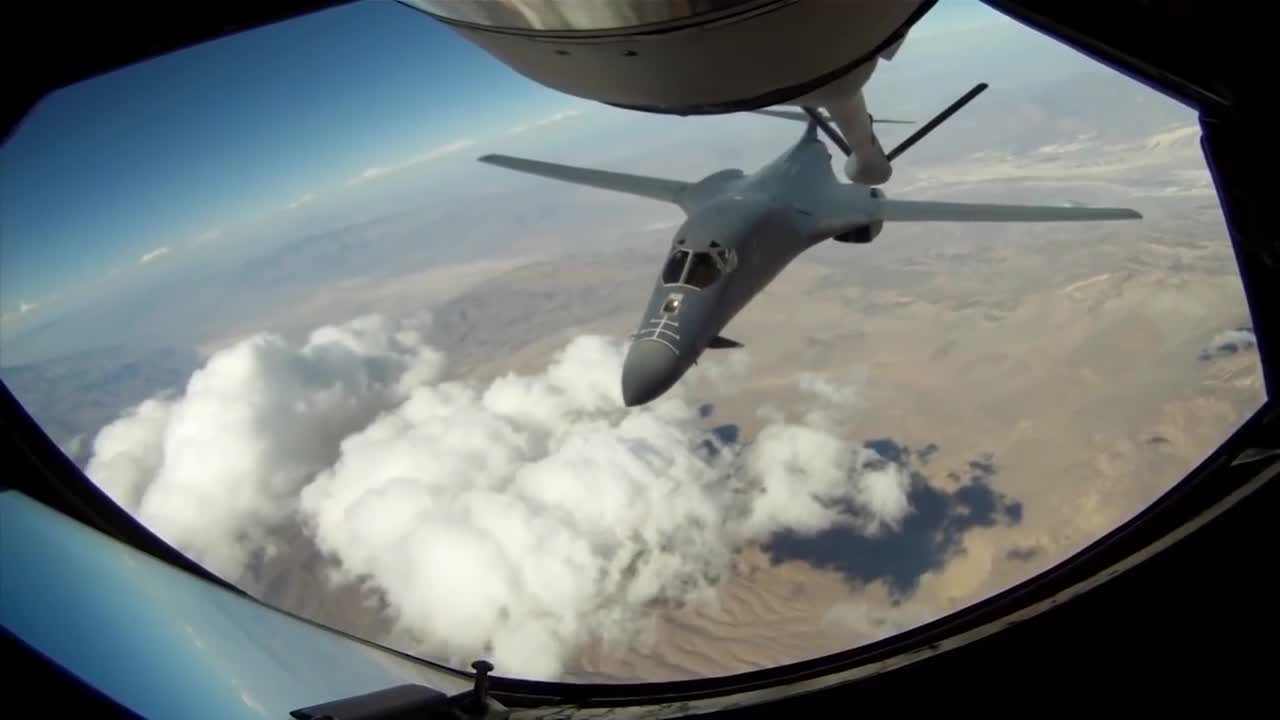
[704, 269]
[674, 270]
[325, 385]
[727, 258]
[698, 269]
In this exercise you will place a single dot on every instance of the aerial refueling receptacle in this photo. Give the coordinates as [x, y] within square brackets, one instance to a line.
[685, 57]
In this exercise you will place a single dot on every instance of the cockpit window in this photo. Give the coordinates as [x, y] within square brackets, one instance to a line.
[699, 269]
[727, 259]
[703, 270]
[672, 273]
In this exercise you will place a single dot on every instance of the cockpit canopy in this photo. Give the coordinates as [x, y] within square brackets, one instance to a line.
[699, 268]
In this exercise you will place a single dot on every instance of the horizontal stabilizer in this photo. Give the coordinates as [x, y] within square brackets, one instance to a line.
[671, 191]
[721, 343]
[927, 211]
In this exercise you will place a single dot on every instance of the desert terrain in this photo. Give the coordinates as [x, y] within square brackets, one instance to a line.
[1084, 387]
[1061, 376]
[1041, 384]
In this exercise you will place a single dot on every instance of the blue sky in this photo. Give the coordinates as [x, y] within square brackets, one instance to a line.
[173, 149]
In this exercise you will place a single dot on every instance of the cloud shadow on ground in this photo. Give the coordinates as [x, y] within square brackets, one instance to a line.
[930, 536]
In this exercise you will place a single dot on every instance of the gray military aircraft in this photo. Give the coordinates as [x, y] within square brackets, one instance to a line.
[743, 229]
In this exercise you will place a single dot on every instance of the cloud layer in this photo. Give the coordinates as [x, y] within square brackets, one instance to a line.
[376, 171]
[517, 520]
[153, 254]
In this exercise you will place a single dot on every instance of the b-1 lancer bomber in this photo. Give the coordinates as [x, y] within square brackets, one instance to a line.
[741, 231]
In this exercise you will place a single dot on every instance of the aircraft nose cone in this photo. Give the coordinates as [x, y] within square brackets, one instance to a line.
[651, 368]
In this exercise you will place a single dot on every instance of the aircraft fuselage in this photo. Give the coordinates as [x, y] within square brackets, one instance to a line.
[743, 232]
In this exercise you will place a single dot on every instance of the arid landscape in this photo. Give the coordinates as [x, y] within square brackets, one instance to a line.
[1061, 376]
[1041, 384]
[1032, 386]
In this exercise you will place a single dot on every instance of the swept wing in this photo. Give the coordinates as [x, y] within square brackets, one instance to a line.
[655, 188]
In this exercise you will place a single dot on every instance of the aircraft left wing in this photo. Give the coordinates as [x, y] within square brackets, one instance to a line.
[671, 191]
[928, 211]
[802, 116]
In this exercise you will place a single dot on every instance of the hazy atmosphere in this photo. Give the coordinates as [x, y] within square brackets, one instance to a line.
[324, 352]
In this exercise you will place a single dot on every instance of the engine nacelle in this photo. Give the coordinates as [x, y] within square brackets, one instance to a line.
[863, 234]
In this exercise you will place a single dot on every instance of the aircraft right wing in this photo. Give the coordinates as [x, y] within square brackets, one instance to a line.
[928, 211]
[671, 191]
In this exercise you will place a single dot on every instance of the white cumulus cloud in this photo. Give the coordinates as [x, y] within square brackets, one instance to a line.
[214, 470]
[1229, 342]
[517, 520]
